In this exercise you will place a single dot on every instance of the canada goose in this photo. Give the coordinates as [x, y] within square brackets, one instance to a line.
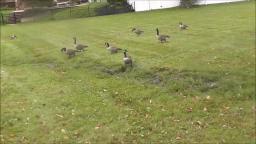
[79, 47]
[12, 37]
[138, 32]
[182, 26]
[69, 52]
[127, 59]
[112, 49]
[161, 38]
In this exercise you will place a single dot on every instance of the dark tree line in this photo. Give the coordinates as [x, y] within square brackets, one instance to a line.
[38, 2]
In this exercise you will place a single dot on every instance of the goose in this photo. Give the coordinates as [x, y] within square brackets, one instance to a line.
[79, 47]
[12, 37]
[161, 38]
[69, 52]
[127, 59]
[182, 26]
[138, 32]
[112, 49]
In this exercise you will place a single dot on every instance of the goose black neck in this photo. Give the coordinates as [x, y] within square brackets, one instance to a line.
[74, 40]
[157, 31]
[125, 55]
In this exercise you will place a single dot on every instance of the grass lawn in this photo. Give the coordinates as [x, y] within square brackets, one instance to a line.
[197, 88]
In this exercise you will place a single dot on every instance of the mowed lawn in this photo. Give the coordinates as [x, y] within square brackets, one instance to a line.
[197, 88]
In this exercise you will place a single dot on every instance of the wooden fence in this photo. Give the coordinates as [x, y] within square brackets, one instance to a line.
[12, 18]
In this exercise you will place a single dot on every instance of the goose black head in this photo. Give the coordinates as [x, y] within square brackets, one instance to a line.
[106, 44]
[133, 29]
[63, 49]
[125, 53]
[180, 23]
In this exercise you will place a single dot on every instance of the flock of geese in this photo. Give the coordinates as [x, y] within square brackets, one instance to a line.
[127, 60]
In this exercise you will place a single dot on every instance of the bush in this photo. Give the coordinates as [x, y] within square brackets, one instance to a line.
[38, 3]
[116, 1]
[187, 3]
[114, 8]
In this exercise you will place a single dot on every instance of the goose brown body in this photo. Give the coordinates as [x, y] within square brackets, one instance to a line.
[112, 49]
[161, 38]
[79, 47]
[127, 59]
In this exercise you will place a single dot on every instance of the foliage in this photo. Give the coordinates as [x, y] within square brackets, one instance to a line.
[187, 3]
[114, 8]
[38, 3]
[117, 1]
[92, 9]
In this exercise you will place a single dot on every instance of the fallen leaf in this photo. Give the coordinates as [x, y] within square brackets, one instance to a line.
[59, 115]
[176, 120]
[178, 138]
[73, 112]
[205, 109]
[76, 133]
[66, 137]
[63, 130]
[189, 109]
[208, 97]
[98, 126]
[198, 123]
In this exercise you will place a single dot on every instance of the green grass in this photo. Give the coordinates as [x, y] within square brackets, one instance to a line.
[48, 98]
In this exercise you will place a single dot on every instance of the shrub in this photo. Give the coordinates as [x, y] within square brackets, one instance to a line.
[114, 8]
[116, 1]
[38, 3]
[187, 3]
